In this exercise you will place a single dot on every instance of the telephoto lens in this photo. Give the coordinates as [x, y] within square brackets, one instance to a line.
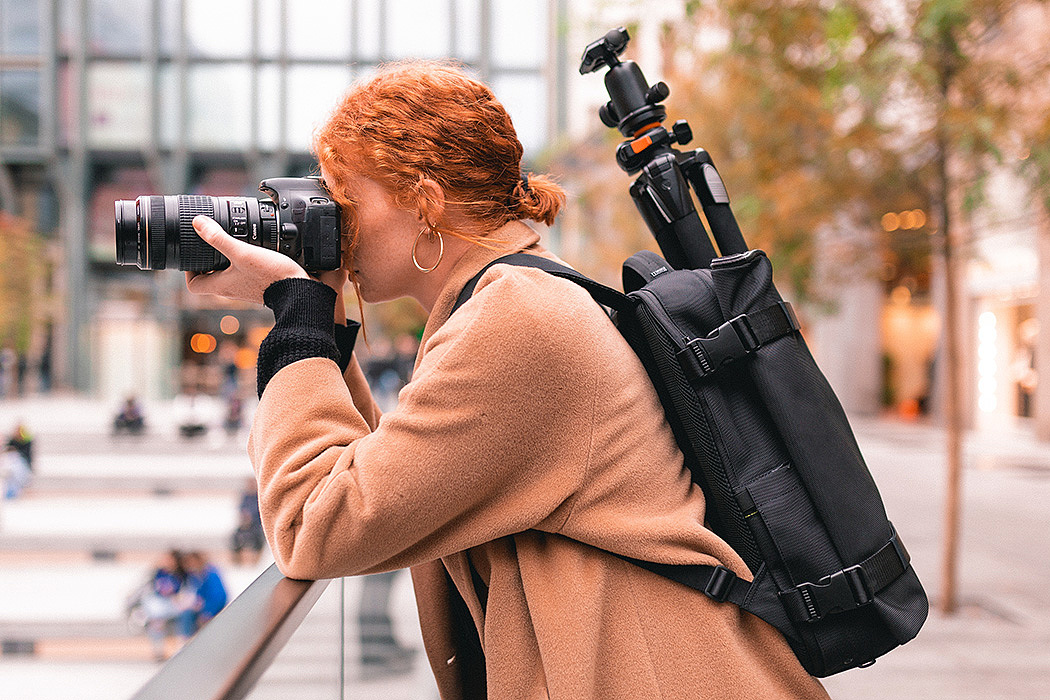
[299, 219]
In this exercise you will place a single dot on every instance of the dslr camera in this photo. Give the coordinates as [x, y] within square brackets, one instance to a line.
[299, 219]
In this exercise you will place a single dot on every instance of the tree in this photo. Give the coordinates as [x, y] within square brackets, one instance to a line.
[19, 267]
[965, 80]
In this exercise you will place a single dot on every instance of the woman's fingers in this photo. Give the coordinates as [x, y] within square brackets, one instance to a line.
[205, 283]
[335, 279]
[212, 234]
[252, 268]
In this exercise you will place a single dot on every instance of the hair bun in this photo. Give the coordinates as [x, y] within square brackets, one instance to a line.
[539, 198]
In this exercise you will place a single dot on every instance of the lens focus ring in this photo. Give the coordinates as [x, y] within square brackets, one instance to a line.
[155, 237]
[194, 253]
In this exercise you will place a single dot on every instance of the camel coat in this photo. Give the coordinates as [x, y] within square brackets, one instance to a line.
[528, 445]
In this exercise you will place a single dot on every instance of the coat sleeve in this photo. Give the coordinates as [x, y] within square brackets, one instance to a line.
[361, 393]
[491, 437]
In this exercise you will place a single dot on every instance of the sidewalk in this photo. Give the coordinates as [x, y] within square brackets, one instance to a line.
[997, 646]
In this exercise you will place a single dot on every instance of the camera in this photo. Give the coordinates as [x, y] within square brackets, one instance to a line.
[300, 219]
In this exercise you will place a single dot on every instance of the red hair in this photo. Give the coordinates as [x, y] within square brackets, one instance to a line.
[429, 120]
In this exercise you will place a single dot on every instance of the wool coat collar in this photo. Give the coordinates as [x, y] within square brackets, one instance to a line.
[511, 238]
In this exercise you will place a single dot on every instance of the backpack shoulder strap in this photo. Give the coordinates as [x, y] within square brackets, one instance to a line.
[606, 296]
[758, 597]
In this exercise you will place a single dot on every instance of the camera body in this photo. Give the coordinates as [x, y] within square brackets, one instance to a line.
[300, 219]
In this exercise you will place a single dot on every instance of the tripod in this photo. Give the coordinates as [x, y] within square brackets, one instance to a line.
[661, 191]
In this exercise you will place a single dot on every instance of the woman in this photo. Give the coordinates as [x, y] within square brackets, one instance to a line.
[156, 604]
[529, 446]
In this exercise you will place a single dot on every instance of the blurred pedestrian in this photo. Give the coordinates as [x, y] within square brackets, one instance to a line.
[381, 372]
[203, 594]
[44, 368]
[7, 364]
[234, 415]
[21, 371]
[405, 348]
[189, 415]
[130, 418]
[156, 605]
[16, 463]
[381, 653]
[248, 540]
[22, 442]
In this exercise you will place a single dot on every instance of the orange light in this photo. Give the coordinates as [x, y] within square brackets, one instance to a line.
[229, 325]
[203, 343]
[890, 221]
[920, 217]
[245, 358]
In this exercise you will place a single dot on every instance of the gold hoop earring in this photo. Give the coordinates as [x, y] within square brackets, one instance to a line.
[441, 250]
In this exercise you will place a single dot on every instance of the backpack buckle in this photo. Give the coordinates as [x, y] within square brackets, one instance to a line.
[730, 341]
[838, 592]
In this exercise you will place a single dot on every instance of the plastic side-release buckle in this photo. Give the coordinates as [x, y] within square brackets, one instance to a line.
[732, 340]
[841, 591]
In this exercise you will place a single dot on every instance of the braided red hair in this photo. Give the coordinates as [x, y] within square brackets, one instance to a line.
[429, 120]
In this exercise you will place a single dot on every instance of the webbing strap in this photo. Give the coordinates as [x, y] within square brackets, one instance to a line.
[716, 582]
[757, 597]
[850, 588]
[606, 296]
[736, 338]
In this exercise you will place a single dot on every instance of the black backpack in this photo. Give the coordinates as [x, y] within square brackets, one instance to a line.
[768, 442]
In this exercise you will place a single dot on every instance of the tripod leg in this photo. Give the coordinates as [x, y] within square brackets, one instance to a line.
[711, 191]
[662, 196]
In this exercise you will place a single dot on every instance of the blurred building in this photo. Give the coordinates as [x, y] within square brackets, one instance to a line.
[110, 99]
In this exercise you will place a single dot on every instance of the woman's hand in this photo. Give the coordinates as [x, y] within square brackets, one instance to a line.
[252, 268]
[336, 279]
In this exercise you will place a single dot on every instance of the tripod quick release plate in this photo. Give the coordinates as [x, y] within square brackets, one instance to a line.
[604, 52]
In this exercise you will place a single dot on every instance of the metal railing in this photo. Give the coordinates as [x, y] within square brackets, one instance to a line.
[226, 658]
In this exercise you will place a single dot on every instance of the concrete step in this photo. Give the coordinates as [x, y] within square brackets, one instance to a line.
[113, 522]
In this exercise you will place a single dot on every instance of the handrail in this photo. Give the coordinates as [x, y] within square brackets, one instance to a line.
[226, 658]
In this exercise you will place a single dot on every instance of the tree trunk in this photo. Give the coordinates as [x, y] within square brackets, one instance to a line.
[951, 355]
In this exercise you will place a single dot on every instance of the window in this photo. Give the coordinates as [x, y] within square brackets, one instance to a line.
[268, 134]
[417, 29]
[20, 22]
[319, 29]
[19, 107]
[118, 27]
[467, 40]
[118, 105]
[312, 92]
[519, 38]
[525, 98]
[369, 35]
[218, 29]
[219, 107]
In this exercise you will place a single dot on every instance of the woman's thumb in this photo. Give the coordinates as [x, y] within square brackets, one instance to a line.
[212, 234]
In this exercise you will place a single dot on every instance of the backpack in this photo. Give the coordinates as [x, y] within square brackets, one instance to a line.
[768, 442]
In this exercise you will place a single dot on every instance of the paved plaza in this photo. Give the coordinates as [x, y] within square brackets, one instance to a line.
[89, 528]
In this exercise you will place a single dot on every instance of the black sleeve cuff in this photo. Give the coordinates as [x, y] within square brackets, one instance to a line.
[345, 338]
[303, 312]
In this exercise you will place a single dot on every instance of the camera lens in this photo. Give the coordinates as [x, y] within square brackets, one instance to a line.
[127, 232]
[155, 232]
